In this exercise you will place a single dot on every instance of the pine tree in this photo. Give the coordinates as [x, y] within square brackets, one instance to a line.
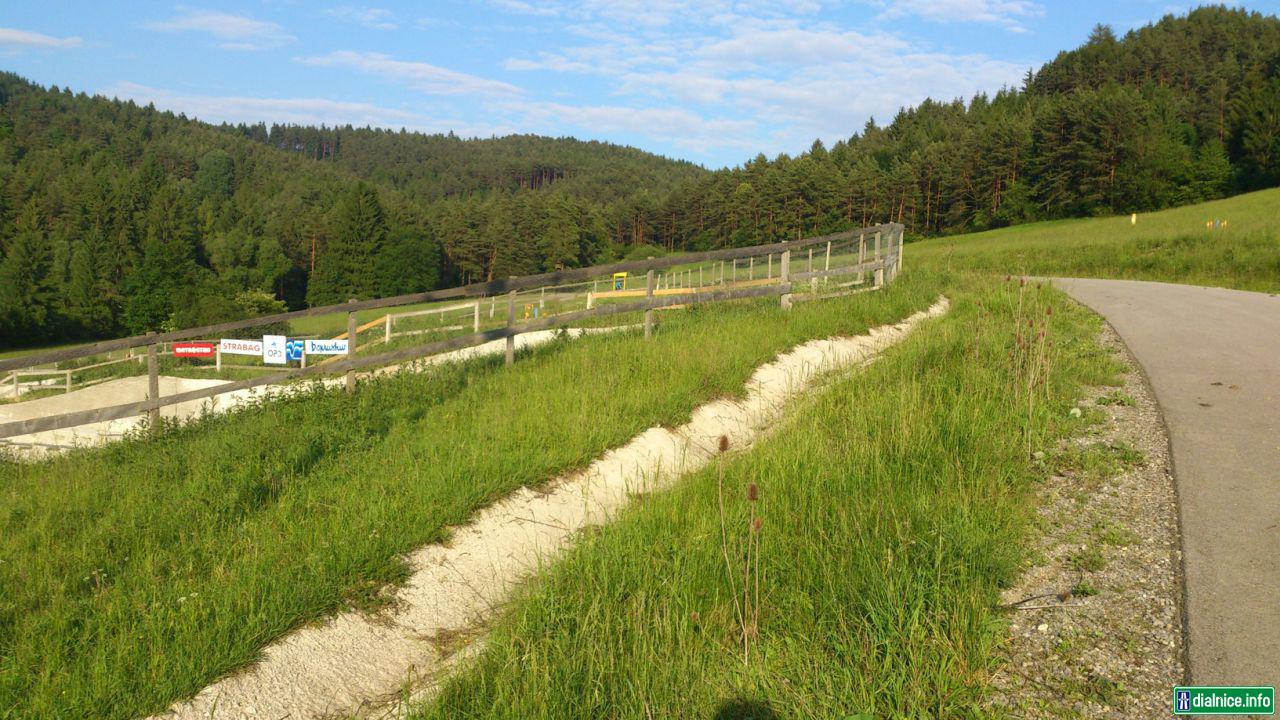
[87, 294]
[215, 176]
[167, 274]
[558, 241]
[347, 266]
[28, 302]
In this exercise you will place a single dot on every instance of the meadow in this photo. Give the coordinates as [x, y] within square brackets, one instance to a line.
[1172, 246]
[847, 566]
[136, 573]
[892, 504]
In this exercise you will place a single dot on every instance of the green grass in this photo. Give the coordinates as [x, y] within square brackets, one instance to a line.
[894, 504]
[1172, 245]
[135, 574]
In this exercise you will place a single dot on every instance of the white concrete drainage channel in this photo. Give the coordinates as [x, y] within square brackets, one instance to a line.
[354, 663]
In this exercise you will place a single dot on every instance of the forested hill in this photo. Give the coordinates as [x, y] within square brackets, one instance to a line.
[1183, 110]
[434, 167]
[118, 218]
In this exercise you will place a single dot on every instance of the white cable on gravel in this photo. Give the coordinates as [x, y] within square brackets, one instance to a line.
[355, 663]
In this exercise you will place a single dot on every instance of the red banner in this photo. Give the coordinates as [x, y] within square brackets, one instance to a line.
[193, 349]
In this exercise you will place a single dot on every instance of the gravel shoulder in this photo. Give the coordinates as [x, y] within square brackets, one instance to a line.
[1095, 621]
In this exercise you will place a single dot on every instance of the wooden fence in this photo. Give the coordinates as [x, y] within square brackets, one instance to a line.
[880, 253]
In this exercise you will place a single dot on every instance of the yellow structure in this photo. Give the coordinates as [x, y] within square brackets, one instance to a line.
[619, 281]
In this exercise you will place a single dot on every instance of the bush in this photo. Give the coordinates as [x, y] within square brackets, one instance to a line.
[216, 304]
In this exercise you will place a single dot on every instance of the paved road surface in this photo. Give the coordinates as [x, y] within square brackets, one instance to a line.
[1213, 358]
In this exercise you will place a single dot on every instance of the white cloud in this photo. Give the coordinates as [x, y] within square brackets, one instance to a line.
[234, 32]
[299, 110]
[431, 79]
[528, 8]
[14, 38]
[374, 18]
[768, 78]
[678, 126]
[1010, 14]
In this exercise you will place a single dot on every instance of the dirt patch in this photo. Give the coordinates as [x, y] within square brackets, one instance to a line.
[354, 664]
[1095, 621]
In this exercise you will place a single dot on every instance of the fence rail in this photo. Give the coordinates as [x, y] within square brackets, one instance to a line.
[888, 244]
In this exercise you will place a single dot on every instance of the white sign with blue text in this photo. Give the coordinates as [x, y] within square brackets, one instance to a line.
[273, 352]
[326, 347]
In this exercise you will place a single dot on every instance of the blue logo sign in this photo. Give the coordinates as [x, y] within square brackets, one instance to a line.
[326, 347]
[1184, 700]
[293, 349]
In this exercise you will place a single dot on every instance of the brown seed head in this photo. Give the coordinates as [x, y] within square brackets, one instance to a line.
[755, 525]
[694, 617]
[1048, 310]
[724, 443]
[753, 492]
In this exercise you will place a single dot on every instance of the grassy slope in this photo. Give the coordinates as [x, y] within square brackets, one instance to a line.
[135, 574]
[892, 505]
[1172, 245]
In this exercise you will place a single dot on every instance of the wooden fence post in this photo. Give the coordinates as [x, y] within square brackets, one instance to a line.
[699, 276]
[769, 273]
[813, 283]
[475, 319]
[751, 268]
[735, 270]
[784, 274]
[387, 336]
[901, 244]
[862, 253]
[351, 347]
[542, 301]
[875, 256]
[217, 357]
[827, 264]
[153, 384]
[511, 320]
[648, 312]
[68, 381]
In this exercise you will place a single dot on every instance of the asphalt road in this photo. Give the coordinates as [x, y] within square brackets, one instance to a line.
[1213, 359]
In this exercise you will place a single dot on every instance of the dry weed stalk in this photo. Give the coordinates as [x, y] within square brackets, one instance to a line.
[746, 609]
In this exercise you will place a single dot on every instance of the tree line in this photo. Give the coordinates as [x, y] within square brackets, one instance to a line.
[1183, 110]
[116, 218]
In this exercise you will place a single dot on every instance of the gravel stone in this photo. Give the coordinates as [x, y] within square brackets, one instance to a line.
[1103, 636]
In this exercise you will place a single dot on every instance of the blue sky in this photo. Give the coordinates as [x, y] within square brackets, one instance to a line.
[713, 81]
